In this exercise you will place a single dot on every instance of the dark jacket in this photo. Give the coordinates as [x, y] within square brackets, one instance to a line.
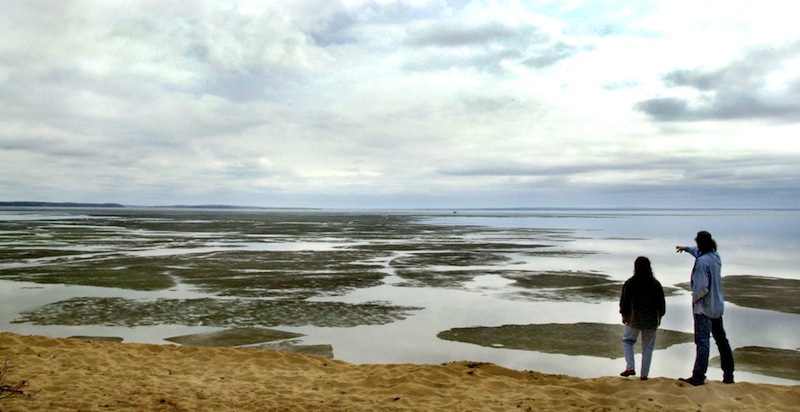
[642, 303]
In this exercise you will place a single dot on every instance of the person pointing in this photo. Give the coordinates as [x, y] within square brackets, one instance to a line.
[708, 305]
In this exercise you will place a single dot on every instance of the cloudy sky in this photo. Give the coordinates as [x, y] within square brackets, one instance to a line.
[401, 103]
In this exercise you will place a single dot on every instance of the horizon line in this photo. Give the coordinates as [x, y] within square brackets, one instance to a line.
[111, 205]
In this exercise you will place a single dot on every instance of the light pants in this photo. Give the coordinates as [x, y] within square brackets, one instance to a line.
[648, 343]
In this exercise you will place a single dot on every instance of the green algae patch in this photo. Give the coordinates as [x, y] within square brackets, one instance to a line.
[779, 363]
[575, 339]
[233, 337]
[115, 311]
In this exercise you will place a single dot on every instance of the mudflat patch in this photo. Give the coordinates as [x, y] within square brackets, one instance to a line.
[565, 285]
[780, 363]
[763, 292]
[323, 351]
[115, 339]
[589, 339]
[760, 292]
[233, 337]
[212, 312]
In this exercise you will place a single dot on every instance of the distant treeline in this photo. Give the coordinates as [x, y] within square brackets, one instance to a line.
[57, 204]
[234, 207]
[117, 205]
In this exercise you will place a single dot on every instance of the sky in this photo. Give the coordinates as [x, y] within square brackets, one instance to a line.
[401, 103]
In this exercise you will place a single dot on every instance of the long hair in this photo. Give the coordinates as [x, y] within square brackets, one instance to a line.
[705, 242]
[642, 269]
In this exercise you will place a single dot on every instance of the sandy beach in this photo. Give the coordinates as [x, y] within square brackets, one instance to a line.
[79, 375]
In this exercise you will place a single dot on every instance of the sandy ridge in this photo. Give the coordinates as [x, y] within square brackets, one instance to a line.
[72, 375]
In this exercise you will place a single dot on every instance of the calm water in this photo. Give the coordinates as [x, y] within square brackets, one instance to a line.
[750, 242]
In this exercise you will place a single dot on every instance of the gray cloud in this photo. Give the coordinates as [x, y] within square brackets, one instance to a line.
[451, 34]
[485, 46]
[442, 45]
[511, 170]
[485, 60]
[334, 30]
[740, 90]
[551, 55]
[335, 25]
[747, 171]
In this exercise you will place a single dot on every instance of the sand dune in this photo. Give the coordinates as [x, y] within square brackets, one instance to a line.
[72, 374]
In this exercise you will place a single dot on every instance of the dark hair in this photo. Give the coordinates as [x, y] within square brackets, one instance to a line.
[642, 268]
[705, 242]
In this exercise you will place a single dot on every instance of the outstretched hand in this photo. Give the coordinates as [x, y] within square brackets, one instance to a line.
[679, 249]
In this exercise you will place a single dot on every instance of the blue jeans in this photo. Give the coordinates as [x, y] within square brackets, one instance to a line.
[704, 328]
[648, 343]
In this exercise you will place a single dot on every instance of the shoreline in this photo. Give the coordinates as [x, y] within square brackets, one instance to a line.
[73, 374]
[389, 344]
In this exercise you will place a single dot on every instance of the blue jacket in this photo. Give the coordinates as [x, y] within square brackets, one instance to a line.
[707, 283]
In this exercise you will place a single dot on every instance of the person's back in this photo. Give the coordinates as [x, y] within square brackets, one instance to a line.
[641, 305]
[646, 302]
[707, 285]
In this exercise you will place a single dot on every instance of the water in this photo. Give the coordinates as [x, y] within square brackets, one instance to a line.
[762, 243]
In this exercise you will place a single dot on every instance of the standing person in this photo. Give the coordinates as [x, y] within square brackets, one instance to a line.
[707, 306]
[642, 306]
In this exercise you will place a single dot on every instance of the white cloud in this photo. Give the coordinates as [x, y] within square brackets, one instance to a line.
[404, 103]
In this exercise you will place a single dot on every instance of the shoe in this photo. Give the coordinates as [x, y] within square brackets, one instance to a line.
[728, 379]
[692, 381]
[628, 372]
[644, 378]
